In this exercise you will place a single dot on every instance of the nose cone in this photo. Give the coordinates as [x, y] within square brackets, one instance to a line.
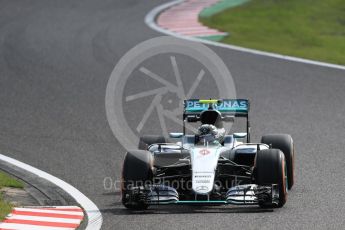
[204, 163]
[203, 183]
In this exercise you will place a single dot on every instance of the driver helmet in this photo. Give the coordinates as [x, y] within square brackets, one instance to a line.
[210, 133]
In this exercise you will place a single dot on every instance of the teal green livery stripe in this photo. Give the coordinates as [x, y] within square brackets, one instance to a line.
[201, 201]
[220, 110]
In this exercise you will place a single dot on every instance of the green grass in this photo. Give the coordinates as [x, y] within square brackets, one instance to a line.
[5, 208]
[313, 29]
[7, 181]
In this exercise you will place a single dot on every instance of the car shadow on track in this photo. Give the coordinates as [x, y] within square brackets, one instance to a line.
[185, 209]
[118, 209]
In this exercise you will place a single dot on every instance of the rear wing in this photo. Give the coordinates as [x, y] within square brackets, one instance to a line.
[227, 107]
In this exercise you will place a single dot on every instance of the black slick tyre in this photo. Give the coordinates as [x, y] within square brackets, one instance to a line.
[136, 171]
[271, 169]
[283, 142]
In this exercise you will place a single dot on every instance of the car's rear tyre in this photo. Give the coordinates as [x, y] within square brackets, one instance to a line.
[283, 142]
[271, 169]
[147, 140]
[136, 171]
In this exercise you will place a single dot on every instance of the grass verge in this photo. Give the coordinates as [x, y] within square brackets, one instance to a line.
[7, 181]
[313, 29]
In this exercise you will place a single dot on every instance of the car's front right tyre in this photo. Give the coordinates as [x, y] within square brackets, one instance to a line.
[136, 171]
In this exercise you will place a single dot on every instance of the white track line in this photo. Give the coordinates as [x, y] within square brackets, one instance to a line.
[150, 20]
[43, 218]
[180, 18]
[94, 215]
[29, 227]
[37, 210]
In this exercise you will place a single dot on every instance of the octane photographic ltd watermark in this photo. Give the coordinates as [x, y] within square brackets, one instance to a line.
[110, 184]
[147, 87]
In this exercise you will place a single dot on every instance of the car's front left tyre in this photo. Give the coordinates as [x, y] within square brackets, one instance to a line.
[270, 167]
[283, 142]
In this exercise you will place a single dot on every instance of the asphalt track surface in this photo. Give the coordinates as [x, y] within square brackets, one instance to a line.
[55, 61]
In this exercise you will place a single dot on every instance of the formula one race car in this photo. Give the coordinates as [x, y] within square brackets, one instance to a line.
[209, 167]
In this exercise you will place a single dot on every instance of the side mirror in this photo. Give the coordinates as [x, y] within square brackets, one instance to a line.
[192, 119]
[240, 135]
[229, 119]
[176, 135]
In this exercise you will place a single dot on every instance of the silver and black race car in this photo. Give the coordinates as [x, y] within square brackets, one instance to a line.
[209, 167]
